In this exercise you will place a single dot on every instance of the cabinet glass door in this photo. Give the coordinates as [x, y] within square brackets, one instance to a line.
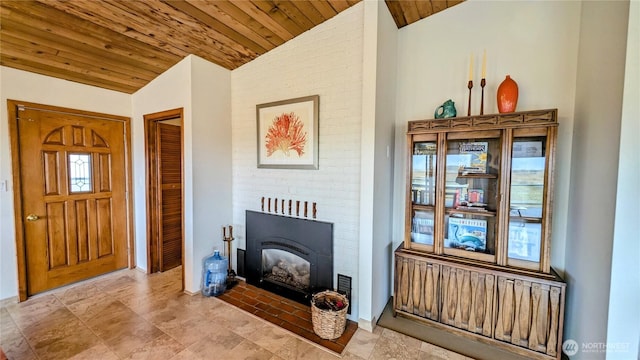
[423, 191]
[528, 162]
[471, 196]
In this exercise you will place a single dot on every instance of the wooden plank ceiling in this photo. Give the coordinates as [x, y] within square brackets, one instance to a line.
[124, 44]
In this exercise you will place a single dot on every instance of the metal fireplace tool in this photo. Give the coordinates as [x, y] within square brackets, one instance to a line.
[231, 274]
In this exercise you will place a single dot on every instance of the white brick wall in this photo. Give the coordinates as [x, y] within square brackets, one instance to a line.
[326, 60]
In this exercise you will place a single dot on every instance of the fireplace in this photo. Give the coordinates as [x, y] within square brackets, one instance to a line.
[291, 257]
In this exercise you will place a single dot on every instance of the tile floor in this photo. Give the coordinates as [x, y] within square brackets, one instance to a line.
[131, 315]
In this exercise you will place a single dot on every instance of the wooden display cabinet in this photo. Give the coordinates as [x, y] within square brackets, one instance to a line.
[476, 256]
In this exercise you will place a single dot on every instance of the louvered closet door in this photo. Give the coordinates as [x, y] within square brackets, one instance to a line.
[73, 177]
[170, 179]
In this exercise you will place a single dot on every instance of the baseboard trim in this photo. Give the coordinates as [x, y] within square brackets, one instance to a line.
[367, 325]
[9, 301]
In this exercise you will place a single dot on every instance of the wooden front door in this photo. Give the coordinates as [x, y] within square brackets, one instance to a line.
[170, 194]
[73, 183]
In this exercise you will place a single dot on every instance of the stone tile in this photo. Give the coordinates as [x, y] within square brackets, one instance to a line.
[117, 281]
[233, 318]
[189, 331]
[362, 343]
[247, 350]
[297, 349]
[186, 354]
[91, 307]
[99, 351]
[65, 342]
[161, 347]
[216, 346]
[121, 329]
[37, 308]
[72, 294]
[271, 337]
[350, 356]
[435, 352]
[408, 341]
[393, 345]
[15, 346]
[57, 323]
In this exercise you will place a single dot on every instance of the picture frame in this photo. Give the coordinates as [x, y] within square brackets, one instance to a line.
[287, 133]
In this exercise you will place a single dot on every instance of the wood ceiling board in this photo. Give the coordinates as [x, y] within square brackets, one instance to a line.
[255, 12]
[323, 8]
[174, 27]
[396, 12]
[307, 8]
[339, 5]
[69, 27]
[13, 45]
[293, 13]
[212, 10]
[278, 17]
[242, 17]
[55, 72]
[410, 10]
[123, 44]
[424, 8]
[438, 5]
[33, 35]
[216, 25]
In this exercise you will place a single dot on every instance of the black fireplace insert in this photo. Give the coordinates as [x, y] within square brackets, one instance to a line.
[291, 257]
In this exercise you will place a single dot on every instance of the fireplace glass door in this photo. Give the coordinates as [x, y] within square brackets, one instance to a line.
[286, 269]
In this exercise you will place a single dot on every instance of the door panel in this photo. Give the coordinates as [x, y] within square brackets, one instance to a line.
[170, 179]
[73, 177]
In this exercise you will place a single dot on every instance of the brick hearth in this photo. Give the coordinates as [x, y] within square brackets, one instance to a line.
[285, 313]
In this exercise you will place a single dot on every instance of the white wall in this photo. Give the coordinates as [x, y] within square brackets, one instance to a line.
[30, 87]
[594, 171]
[203, 90]
[376, 206]
[533, 41]
[326, 61]
[624, 314]
[170, 90]
[210, 161]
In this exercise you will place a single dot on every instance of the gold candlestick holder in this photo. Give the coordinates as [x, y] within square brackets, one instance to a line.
[469, 86]
[483, 82]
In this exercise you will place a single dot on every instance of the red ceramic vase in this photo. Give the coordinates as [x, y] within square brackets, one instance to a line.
[507, 95]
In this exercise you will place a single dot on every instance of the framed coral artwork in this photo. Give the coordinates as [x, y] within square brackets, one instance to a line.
[288, 133]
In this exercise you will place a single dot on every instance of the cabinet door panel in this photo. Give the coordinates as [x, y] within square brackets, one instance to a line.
[467, 299]
[528, 314]
[417, 289]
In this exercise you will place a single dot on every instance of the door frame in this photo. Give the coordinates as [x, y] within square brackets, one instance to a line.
[12, 111]
[152, 192]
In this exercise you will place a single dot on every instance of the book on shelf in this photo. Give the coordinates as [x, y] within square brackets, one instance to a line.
[422, 230]
[424, 148]
[467, 234]
[475, 195]
[527, 149]
[476, 153]
[524, 241]
[477, 207]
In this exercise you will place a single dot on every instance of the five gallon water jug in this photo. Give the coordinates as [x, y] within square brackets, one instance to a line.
[214, 275]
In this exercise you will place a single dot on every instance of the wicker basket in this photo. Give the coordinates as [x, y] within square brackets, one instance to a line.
[329, 324]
